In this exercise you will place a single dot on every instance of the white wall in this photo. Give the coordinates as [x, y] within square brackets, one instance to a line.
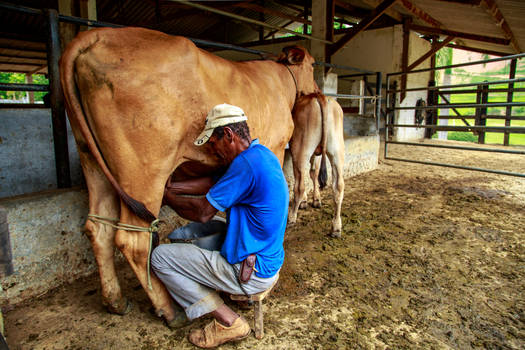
[417, 47]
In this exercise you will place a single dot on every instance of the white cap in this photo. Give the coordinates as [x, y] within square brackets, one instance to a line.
[220, 115]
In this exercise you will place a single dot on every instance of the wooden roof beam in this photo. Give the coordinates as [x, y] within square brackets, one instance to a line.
[352, 10]
[463, 2]
[362, 25]
[409, 5]
[492, 8]
[433, 50]
[390, 12]
[470, 36]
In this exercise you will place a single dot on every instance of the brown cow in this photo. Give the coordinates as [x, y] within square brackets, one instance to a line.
[136, 100]
[318, 129]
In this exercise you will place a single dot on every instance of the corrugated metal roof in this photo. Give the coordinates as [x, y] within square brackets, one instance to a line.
[474, 18]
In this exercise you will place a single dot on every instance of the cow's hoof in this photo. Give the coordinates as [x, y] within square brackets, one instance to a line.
[121, 308]
[316, 203]
[303, 205]
[335, 234]
[180, 320]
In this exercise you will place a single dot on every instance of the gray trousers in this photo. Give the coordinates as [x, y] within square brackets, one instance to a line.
[193, 275]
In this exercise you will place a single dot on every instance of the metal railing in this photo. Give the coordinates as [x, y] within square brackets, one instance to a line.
[481, 105]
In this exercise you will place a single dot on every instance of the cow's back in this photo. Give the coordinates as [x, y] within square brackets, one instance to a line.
[137, 84]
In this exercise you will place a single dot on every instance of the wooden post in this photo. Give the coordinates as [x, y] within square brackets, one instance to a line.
[483, 112]
[431, 113]
[58, 114]
[392, 113]
[330, 13]
[67, 30]
[319, 30]
[508, 110]
[88, 9]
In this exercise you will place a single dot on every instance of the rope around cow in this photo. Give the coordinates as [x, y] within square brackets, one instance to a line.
[153, 228]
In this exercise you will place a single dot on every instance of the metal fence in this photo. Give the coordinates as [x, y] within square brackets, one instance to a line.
[56, 102]
[480, 117]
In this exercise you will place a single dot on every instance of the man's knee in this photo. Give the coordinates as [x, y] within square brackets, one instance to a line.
[158, 257]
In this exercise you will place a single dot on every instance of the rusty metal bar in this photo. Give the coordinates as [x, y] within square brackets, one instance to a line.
[500, 172]
[511, 129]
[350, 97]
[465, 105]
[495, 90]
[22, 105]
[444, 97]
[470, 36]
[495, 82]
[502, 117]
[379, 79]
[367, 72]
[493, 150]
[23, 87]
[463, 64]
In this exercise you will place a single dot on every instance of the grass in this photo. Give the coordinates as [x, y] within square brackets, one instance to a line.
[491, 137]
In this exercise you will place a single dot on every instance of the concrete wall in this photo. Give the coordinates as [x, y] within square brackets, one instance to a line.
[27, 159]
[47, 241]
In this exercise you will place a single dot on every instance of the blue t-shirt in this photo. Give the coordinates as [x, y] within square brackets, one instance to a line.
[255, 194]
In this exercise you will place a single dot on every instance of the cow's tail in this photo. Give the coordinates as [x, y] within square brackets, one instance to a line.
[77, 117]
[323, 174]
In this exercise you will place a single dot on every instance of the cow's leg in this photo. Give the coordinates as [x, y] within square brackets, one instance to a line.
[336, 156]
[299, 161]
[315, 165]
[135, 246]
[103, 201]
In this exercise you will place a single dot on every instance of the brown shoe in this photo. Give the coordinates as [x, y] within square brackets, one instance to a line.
[215, 334]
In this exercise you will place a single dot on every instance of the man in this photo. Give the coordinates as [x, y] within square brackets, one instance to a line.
[254, 194]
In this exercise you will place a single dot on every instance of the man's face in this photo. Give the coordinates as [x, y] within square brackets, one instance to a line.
[222, 148]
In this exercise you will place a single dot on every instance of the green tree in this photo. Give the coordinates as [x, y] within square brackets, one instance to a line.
[20, 78]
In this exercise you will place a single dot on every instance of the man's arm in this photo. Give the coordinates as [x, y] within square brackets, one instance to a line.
[191, 208]
[197, 186]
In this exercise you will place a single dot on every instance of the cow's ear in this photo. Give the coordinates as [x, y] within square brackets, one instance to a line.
[293, 55]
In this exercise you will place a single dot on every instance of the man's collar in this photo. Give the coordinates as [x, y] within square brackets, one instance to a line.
[254, 142]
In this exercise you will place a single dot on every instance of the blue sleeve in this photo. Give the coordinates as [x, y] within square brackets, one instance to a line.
[234, 186]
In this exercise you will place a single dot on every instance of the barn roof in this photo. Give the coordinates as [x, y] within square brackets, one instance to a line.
[490, 26]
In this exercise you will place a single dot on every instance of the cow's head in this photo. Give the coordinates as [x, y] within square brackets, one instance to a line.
[301, 64]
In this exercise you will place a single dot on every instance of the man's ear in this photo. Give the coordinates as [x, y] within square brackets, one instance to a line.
[228, 133]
